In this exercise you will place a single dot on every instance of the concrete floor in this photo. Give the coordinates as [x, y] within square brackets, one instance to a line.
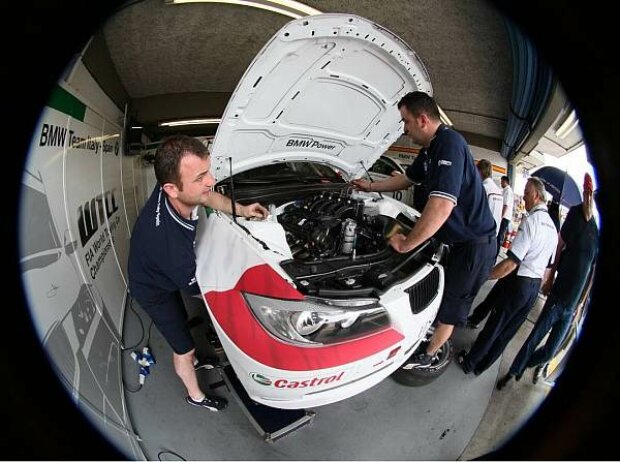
[511, 407]
[457, 417]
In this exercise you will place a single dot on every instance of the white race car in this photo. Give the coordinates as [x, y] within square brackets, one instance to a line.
[312, 306]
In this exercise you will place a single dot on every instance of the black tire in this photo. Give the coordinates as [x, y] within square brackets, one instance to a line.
[413, 377]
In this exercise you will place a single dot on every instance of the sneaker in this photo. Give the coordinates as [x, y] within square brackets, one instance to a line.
[501, 383]
[213, 403]
[539, 373]
[472, 323]
[460, 359]
[420, 360]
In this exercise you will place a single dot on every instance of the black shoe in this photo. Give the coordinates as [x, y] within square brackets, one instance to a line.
[539, 372]
[501, 383]
[518, 376]
[472, 323]
[420, 361]
[461, 360]
[213, 403]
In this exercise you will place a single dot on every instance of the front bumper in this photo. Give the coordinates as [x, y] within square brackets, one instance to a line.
[287, 376]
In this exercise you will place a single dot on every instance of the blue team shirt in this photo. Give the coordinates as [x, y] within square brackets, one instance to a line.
[447, 169]
[161, 255]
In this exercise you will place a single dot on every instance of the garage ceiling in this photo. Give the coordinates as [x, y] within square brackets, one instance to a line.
[181, 61]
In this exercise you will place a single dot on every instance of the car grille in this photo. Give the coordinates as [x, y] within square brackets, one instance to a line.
[424, 292]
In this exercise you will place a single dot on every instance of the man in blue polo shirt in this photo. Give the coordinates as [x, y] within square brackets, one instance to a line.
[161, 255]
[456, 212]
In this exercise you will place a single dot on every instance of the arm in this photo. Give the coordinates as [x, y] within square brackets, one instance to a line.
[503, 268]
[223, 203]
[518, 251]
[393, 183]
[549, 276]
[434, 215]
[584, 294]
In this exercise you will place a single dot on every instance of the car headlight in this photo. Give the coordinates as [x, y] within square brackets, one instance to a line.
[317, 321]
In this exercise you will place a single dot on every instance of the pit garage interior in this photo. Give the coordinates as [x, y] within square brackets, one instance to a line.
[154, 62]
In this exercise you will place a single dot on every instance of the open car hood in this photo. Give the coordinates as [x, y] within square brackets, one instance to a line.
[324, 89]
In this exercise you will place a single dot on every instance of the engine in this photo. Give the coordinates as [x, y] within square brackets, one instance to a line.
[340, 249]
[328, 225]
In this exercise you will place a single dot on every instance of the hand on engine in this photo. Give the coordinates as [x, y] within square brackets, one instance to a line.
[254, 210]
[398, 243]
[361, 184]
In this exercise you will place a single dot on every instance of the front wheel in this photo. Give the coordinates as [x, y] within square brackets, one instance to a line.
[413, 376]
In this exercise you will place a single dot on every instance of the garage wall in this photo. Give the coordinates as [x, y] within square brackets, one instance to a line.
[500, 166]
[76, 213]
[404, 151]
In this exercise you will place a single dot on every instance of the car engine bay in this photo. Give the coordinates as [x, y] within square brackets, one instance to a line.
[339, 245]
[329, 225]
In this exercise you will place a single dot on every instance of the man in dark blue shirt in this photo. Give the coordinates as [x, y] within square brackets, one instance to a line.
[574, 262]
[456, 212]
[161, 255]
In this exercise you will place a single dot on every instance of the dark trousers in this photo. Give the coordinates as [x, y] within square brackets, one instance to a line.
[503, 226]
[484, 308]
[467, 269]
[506, 318]
[554, 319]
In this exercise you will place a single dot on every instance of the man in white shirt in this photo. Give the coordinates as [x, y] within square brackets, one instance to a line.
[507, 210]
[519, 276]
[494, 193]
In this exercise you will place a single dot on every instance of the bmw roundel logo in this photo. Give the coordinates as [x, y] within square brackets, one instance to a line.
[260, 378]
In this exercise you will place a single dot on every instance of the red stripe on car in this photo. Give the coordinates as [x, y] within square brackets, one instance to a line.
[263, 280]
[235, 317]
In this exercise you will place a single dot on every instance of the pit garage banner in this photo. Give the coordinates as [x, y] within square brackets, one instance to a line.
[74, 234]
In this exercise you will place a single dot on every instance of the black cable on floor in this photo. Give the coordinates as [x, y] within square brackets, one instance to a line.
[131, 348]
[169, 452]
[148, 338]
[130, 390]
[130, 301]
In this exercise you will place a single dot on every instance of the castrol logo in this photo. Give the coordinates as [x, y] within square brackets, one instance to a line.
[287, 383]
[261, 378]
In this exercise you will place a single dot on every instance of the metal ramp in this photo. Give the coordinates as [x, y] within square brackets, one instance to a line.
[271, 423]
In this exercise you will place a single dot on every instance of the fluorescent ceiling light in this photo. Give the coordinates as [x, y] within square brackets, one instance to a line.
[444, 118]
[567, 126]
[177, 123]
[288, 8]
[136, 127]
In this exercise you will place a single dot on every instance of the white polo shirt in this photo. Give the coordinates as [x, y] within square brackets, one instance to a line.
[509, 201]
[496, 200]
[533, 248]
